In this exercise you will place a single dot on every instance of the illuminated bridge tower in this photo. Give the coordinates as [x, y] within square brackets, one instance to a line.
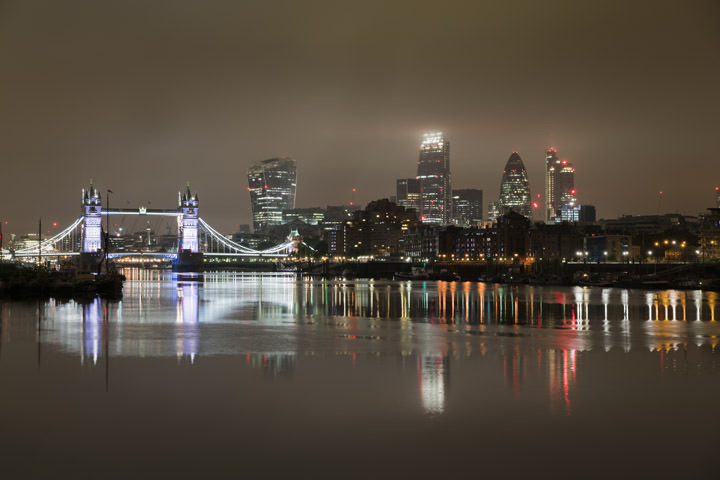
[189, 257]
[92, 224]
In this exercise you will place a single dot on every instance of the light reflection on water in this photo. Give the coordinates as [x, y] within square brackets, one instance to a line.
[270, 356]
[272, 319]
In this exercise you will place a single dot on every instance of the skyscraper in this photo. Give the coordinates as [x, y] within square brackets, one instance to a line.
[717, 196]
[552, 199]
[560, 200]
[434, 177]
[408, 193]
[515, 188]
[467, 206]
[271, 184]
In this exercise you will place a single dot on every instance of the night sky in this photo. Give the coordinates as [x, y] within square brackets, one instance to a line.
[142, 96]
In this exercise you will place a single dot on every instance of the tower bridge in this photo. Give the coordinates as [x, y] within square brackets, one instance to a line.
[197, 241]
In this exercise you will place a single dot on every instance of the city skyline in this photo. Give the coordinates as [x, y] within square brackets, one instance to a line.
[176, 93]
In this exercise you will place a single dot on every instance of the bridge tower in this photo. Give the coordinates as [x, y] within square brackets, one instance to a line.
[92, 224]
[189, 256]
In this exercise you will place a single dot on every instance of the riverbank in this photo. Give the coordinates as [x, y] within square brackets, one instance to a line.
[20, 282]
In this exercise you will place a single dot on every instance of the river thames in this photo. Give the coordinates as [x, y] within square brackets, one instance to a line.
[272, 376]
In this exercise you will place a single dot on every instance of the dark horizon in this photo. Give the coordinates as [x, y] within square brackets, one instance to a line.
[145, 97]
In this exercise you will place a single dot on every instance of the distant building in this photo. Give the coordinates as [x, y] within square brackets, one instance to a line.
[493, 211]
[408, 193]
[638, 224]
[467, 207]
[377, 230]
[434, 177]
[311, 216]
[552, 199]
[588, 214]
[515, 188]
[560, 195]
[709, 233]
[717, 197]
[272, 185]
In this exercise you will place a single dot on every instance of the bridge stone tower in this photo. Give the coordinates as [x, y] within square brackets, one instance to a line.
[188, 223]
[92, 224]
[189, 256]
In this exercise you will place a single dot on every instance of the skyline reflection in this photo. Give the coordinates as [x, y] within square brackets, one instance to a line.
[277, 322]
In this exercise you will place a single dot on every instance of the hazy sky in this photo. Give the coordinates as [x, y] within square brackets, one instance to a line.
[142, 96]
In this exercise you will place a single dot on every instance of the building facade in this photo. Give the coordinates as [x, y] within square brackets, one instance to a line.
[467, 207]
[434, 177]
[515, 188]
[408, 193]
[560, 200]
[272, 185]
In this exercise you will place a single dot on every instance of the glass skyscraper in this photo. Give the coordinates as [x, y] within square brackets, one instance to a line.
[467, 207]
[271, 184]
[515, 188]
[560, 200]
[434, 177]
[552, 199]
[408, 193]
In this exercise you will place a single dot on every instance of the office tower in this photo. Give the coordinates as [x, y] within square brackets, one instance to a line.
[434, 177]
[467, 206]
[587, 213]
[515, 188]
[408, 193]
[493, 211]
[271, 184]
[552, 199]
[717, 197]
[560, 200]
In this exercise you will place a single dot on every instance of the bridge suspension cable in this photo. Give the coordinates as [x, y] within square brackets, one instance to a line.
[218, 237]
[47, 244]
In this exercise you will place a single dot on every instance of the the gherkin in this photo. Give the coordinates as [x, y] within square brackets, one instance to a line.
[515, 188]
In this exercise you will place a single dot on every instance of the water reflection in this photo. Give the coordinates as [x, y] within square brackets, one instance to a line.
[542, 334]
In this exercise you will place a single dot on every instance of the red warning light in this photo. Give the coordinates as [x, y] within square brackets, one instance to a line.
[249, 189]
[54, 224]
[265, 186]
[716, 189]
[564, 162]
[536, 205]
[572, 192]
[354, 190]
[660, 192]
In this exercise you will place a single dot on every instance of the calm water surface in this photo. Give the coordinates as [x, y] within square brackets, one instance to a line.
[260, 376]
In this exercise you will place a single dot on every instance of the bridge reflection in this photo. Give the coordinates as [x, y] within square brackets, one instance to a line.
[531, 338]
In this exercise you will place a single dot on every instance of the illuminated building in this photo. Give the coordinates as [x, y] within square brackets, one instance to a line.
[408, 193]
[515, 188]
[560, 201]
[311, 216]
[188, 222]
[271, 184]
[552, 199]
[467, 207]
[434, 177]
[92, 226]
[493, 211]
[717, 197]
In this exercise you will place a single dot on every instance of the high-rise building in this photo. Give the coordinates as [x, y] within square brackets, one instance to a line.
[560, 199]
[408, 193]
[717, 196]
[515, 188]
[552, 199]
[271, 184]
[467, 206]
[434, 177]
[493, 211]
